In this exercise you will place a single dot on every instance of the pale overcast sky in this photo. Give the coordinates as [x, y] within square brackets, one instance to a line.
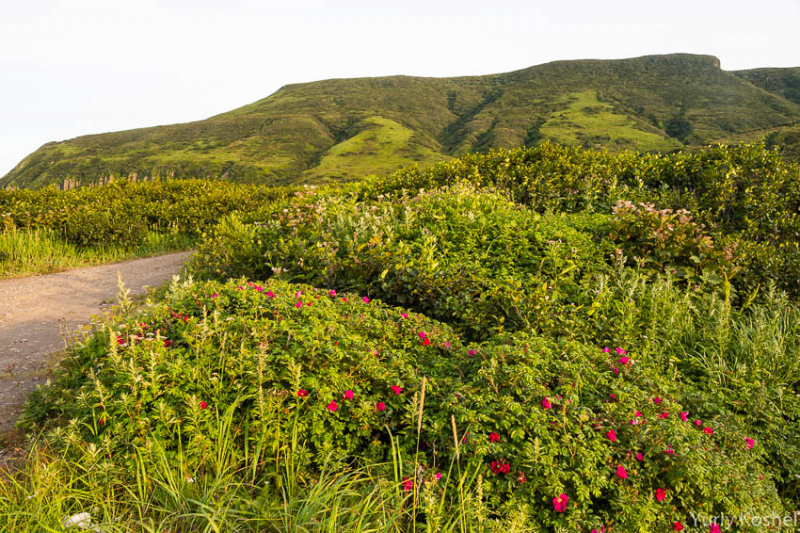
[73, 67]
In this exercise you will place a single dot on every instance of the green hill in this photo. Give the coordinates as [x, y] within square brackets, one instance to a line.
[344, 129]
[782, 81]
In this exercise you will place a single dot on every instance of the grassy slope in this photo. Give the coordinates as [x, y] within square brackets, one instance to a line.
[344, 128]
[589, 122]
[784, 82]
[382, 145]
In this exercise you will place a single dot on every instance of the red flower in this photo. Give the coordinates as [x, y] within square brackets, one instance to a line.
[560, 503]
[612, 436]
[657, 400]
[302, 393]
[624, 360]
[684, 416]
[677, 526]
[397, 390]
[661, 494]
[298, 305]
[348, 394]
[639, 456]
[494, 437]
[366, 300]
[333, 406]
[750, 442]
[203, 405]
[714, 529]
[500, 468]
[621, 472]
[426, 342]
[664, 415]
[708, 430]
[407, 484]
[380, 406]
[546, 403]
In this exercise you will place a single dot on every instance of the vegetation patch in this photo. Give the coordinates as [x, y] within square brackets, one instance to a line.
[539, 339]
[588, 122]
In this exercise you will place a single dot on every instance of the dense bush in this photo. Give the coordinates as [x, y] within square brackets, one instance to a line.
[667, 240]
[115, 227]
[536, 418]
[457, 254]
[557, 313]
[745, 194]
[186, 206]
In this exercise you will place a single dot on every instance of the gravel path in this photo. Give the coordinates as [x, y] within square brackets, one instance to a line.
[34, 312]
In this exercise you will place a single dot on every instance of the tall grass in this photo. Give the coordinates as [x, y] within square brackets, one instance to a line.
[41, 251]
[161, 496]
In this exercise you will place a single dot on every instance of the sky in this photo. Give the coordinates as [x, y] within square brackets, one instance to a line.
[69, 68]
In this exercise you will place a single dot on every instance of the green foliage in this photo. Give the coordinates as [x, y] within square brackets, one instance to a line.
[457, 254]
[667, 240]
[40, 251]
[94, 228]
[261, 366]
[49, 229]
[510, 273]
[679, 128]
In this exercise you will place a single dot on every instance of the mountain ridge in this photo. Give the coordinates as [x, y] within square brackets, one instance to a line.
[341, 129]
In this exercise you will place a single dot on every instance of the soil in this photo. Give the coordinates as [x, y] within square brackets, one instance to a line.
[40, 315]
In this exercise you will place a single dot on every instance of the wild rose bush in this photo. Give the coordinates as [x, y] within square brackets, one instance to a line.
[632, 448]
[337, 370]
[535, 418]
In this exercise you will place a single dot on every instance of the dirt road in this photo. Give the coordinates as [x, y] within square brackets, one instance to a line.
[35, 310]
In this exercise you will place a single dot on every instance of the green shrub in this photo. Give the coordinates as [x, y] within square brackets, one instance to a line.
[555, 406]
[97, 228]
[259, 364]
[457, 254]
[667, 241]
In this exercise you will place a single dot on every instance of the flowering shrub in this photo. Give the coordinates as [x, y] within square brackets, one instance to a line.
[667, 240]
[610, 432]
[335, 370]
[585, 437]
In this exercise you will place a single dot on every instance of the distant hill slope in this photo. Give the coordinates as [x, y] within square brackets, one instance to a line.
[343, 129]
[782, 81]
